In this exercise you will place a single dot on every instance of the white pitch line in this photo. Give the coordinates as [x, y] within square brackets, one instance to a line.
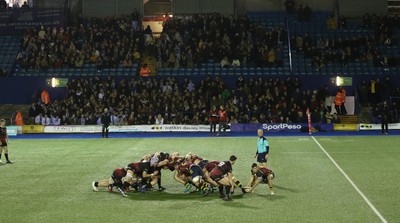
[352, 183]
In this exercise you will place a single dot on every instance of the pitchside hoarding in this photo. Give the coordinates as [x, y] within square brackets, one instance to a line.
[279, 127]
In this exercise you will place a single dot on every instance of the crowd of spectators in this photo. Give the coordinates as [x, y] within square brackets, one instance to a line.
[105, 42]
[233, 41]
[340, 51]
[167, 101]
[147, 101]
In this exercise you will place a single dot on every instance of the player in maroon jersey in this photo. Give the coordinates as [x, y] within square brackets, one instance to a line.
[4, 141]
[207, 168]
[134, 174]
[191, 173]
[193, 158]
[260, 174]
[222, 174]
[117, 179]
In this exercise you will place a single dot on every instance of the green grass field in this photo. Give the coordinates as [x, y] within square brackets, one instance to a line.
[50, 181]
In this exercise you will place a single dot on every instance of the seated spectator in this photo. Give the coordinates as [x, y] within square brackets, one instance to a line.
[336, 119]
[225, 63]
[46, 120]
[289, 5]
[3, 72]
[236, 62]
[55, 120]
[3, 4]
[127, 63]
[159, 120]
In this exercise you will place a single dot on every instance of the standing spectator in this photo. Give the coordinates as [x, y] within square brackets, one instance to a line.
[105, 122]
[45, 97]
[384, 116]
[19, 120]
[339, 100]
[145, 71]
[33, 112]
[223, 120]
[4, 140]
[213, 119]
[262, 149]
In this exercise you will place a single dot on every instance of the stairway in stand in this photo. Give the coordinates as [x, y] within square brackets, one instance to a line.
[151, 63]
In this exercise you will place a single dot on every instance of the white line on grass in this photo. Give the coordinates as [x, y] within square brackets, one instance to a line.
[352, 183]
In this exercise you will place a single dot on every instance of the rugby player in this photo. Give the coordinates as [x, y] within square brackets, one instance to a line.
[116, 180]
[4, 141]
[260, 174]
[222, 174]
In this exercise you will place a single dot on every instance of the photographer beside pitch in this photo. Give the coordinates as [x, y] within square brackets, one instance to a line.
[262, 149]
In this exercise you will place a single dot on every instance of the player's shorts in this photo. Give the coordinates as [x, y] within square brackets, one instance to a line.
[203, 163]
[216, 177]
[196, 171]
[261, 158]
[3, 143]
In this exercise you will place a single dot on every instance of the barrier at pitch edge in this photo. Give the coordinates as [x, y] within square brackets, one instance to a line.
[279, 127]
[364, 126]
[12, 130]
[126, 128]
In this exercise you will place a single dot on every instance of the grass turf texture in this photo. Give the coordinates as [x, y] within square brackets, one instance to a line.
[50, 181]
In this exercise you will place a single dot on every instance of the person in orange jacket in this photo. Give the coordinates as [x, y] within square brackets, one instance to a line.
[19, 120]
[145, 71]
[45, 96]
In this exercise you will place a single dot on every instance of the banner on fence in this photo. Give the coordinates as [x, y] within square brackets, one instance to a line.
[279, 127]
[18, 20]
[12, 130]
[364, 126]
[127, 128]
[32, 129]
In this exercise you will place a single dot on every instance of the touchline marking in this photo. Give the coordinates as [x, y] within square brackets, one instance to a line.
[352, 183]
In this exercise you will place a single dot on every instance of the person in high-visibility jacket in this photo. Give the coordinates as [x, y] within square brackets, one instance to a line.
[339, 102]
[19, 119]
[45, 97]
[145, 71]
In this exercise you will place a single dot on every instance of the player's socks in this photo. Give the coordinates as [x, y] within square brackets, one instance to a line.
[8, 161]
[237, 182]
[227, 190]
[96, 184]
[271, 190]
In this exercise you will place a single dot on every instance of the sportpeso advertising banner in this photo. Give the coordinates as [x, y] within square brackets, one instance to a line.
[16, 21]
[279, 127]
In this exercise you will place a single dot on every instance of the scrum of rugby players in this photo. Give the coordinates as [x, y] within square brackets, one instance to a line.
[189, 170]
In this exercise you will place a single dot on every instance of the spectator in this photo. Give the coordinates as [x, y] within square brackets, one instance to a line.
[19, 120]
[159, 120]
[335, 118]
[45, 96]
[145, 71]
[223, 120]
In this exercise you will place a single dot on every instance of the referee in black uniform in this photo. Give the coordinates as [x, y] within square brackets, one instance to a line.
[105, 122]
